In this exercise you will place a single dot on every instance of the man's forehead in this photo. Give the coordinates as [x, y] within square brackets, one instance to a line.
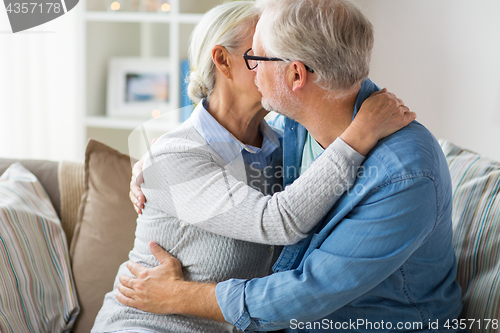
[256, 44]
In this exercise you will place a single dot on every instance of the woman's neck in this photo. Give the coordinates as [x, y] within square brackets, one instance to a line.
[241, 120]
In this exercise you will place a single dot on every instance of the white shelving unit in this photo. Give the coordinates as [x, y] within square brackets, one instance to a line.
[108, 34]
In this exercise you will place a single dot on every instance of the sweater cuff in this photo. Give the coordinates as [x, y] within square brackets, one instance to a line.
[350, 154]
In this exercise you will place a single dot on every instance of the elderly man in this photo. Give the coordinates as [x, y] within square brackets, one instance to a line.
[382, 259]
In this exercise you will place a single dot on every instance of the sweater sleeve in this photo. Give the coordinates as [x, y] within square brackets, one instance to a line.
[193, 186]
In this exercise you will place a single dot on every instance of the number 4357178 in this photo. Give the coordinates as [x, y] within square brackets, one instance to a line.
[33, 7]
[472, 323]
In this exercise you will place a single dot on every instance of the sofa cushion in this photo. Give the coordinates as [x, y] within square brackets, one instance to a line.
[37, 293]
[105, 229]
[476, 229]
[45, 171]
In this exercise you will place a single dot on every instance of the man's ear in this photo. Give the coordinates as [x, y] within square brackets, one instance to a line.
[297, 75]
[222, 60]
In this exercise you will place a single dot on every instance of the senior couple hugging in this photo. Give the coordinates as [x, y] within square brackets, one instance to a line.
[336, 216]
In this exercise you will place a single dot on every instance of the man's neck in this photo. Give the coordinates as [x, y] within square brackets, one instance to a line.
[329, 114]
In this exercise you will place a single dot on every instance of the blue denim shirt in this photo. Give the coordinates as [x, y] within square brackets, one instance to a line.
[381, 260]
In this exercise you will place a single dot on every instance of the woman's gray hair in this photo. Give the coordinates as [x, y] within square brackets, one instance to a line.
[332, 37]
[227, 25]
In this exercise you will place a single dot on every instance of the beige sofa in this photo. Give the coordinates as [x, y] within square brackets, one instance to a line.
[92, 202]
[91, 199]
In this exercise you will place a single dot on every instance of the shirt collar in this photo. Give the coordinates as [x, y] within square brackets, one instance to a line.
[224, 143]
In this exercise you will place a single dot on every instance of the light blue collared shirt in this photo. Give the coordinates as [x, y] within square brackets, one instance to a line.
[227, 146]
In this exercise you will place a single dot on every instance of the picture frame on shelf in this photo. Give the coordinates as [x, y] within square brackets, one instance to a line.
[138, 87]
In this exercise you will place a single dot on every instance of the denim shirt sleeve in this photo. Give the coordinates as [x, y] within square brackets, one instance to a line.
[231, 298]
[369, 244]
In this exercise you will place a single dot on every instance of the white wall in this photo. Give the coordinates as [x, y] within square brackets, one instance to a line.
[39, 90]
[442, 57]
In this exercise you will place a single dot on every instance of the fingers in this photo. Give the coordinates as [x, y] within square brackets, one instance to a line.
[404, 109]
[126, 291]
[123, 299]
[411, 116]
[381, 91]
[160, 254]
[390, 95]
[137, 169]
[126, 281]
[170, 266]
[407, 115]
[407, 112]
[138, 210]
[138, 204]
[121, 296]
[135, 194]
[137, 201]
[135, 269]
[387, 93]
[136, 181]
[399, 102]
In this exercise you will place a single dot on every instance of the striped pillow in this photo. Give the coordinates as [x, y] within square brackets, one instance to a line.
[37, 293]
[476, 229]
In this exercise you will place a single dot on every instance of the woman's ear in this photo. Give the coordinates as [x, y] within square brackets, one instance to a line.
[222, 60]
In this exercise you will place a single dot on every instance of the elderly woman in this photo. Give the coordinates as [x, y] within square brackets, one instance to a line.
[197, 176]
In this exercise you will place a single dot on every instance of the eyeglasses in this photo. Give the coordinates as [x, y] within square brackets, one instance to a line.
[253, 61]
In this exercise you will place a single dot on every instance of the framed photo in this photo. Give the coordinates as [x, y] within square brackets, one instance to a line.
[138, 87]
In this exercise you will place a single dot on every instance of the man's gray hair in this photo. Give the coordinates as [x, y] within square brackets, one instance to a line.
[332, 37]
[227, 25]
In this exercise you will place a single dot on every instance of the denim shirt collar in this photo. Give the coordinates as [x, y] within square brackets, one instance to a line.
[367, 88]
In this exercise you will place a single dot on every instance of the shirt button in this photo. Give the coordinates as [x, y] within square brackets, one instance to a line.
[271, 248]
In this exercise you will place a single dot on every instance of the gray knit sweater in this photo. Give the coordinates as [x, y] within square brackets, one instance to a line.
[190, 189]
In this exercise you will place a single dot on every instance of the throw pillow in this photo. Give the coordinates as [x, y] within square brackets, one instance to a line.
[476, 229]
[37, 293]
[45, 172]
[105, 229]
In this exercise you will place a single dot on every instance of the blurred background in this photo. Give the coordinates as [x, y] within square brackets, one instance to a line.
[67, 81]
